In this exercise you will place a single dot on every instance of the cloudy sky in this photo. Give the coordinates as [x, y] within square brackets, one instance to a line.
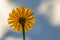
[47, 15]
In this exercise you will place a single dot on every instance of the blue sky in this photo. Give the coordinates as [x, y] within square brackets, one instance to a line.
[47, 17]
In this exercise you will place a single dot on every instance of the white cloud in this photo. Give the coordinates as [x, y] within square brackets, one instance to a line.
[52, 10]
[43, 7]
[14, 38]
[5, 8]
[56, 13]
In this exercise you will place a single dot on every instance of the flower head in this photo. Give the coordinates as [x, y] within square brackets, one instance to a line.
[19, 16]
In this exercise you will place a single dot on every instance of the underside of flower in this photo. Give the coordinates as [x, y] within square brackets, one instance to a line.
[22, 20]
[21, 16]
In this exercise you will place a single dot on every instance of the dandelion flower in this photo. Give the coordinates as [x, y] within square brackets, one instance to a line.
[19, 16]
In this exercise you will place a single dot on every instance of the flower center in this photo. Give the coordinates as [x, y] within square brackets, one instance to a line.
[21, 20]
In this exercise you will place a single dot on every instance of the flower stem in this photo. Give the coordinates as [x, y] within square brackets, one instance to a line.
[23, 31]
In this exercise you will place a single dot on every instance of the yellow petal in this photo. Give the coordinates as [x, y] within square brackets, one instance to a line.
[15, 13]
[20, 27]
[14, 19]
[31, 21]
[28, 13]
[27, 27]
[16, 28]
[10, 22]
[12, 15]
[29, 18]
[20, 11]
[23, 11]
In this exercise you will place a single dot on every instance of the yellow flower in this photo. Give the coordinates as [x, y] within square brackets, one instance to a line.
[21, 15]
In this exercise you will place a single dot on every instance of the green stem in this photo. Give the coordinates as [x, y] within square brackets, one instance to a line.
[23, 31]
